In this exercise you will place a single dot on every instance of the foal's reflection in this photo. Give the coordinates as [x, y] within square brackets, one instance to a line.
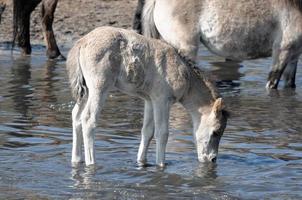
[83, 176]
[206, 170]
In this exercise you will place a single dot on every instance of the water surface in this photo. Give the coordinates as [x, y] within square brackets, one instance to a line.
[260, 155]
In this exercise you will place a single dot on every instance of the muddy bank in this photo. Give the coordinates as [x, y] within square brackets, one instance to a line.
[74, 18]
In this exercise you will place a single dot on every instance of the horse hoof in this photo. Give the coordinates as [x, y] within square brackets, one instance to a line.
[61, 58]
[290, 86]
[25, 51]
[271, 85]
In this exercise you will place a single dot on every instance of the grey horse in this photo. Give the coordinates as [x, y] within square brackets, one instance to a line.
[234, 29]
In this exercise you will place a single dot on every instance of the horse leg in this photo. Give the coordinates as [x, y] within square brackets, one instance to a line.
[22, 12]
[48, 9]
[137, 21]
[161, 122]
[77, 138]
[289, 74]
[147, 133]
[95, 102]
[2, 8]
[280, 60]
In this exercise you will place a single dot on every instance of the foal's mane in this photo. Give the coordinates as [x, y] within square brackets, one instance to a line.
[202, 75]
[208, 81]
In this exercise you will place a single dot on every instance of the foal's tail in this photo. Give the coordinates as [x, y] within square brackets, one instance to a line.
[77, 81]
[149, 28]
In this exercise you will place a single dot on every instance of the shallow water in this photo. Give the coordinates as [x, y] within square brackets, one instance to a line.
[260, 155]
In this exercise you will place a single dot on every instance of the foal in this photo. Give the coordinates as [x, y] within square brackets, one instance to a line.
[109, 58]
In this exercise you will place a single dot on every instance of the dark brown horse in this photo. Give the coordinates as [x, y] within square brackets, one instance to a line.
[21, 20]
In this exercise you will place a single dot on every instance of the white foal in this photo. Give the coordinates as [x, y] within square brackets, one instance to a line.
[109, 58]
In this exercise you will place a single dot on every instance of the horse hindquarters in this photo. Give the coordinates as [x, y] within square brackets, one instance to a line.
[100, 76]
[159, 21]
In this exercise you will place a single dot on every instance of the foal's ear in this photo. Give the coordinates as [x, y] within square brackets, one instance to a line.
[218, 106]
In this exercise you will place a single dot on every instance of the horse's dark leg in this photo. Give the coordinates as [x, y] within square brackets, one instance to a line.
[22, 12]
[280, 60]
[137, 21]
[2, 8]
[48, 9]
[289, 74]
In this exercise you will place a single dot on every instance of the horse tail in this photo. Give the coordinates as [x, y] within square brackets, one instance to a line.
[137, 21]
[149, 27]
[77, 81]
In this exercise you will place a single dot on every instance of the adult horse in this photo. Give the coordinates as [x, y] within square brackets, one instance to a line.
[21, 25]
[234, 29]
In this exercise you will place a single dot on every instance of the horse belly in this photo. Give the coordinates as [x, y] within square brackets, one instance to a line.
[232, 34]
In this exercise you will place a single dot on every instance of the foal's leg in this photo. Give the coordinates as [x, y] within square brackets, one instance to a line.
[77, 139]
[161, 109]
[289, 74]
[147, 133]
[48, 9]
[95, 102]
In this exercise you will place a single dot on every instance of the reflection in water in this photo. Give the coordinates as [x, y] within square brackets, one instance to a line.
[49, 74]
[20, 88]
[83, 176]
[206, 170]
[227, 75]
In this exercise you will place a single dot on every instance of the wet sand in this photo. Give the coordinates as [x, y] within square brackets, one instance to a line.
[74, 18]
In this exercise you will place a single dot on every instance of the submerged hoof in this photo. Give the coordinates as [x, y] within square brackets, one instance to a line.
[271, 85]
[55, 55]
[60, 58]
[141, 163]
[289, 85]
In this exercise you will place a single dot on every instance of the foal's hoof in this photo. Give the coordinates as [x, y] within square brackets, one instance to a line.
[76, 163]
[141, 163]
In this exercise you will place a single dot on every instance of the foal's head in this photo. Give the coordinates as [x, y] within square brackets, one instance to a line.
[212, 124]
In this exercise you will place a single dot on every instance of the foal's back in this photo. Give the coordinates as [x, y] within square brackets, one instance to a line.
[136, 65]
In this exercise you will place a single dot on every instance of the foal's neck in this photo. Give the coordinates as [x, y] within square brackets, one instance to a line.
[199, 98]
[201, 94]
